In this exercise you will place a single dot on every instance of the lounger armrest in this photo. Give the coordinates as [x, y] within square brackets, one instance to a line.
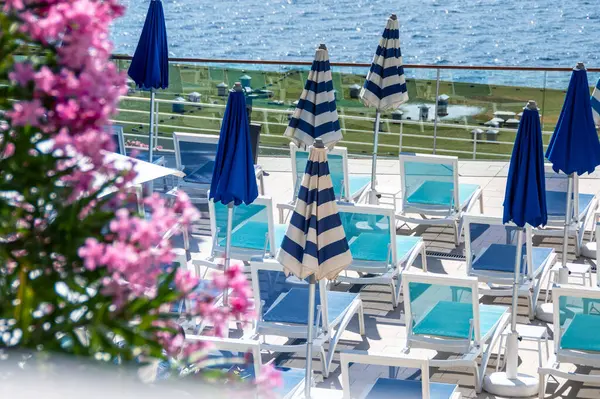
[380, 359]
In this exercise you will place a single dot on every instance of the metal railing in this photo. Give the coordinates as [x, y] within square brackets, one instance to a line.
[429, 136]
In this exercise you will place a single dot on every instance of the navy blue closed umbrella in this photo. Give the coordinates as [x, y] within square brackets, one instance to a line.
[524, 203]
[233, 180]
[574, 147]
[149, 67]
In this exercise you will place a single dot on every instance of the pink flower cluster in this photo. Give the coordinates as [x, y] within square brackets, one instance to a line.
[139, 144]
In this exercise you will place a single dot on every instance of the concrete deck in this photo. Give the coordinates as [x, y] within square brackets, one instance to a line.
[385, 326]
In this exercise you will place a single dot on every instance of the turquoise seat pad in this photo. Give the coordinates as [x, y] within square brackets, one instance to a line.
[451, 319]
[556, 202]
[280, 230]
[387, 388]
[358, 184]
[374, 246]
[293, 307]
[201, 175]
[250, 235]
[501, 258]
[582, 333]
[440, 193]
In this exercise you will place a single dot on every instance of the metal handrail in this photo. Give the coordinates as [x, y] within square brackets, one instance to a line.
[367, 65]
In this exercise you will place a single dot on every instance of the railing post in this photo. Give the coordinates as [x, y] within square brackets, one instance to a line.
[400, 140]
[544, 99]
[435, 112]
[156, 120]
[475, 135]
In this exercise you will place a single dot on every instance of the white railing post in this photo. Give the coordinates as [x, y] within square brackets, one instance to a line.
[435, 112]
[400, 139]
[475, 135]
[156, 120]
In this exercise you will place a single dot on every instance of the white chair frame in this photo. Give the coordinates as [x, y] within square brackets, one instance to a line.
[390, 273]
[470, 349]
[330, 333]
[499, 284]
[439, 216]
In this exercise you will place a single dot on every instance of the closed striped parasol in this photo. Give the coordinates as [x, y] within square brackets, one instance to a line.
[316, 115]
[385, 87]
[596, 103]
[315, 243]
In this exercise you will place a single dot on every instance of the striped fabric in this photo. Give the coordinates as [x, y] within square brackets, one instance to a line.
[385, 87]
[596, 104]
[316, 114]
[315, 242]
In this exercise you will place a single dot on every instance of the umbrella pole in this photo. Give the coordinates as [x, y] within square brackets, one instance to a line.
[228, 246]
[563, 273]
[373, 195]
[309, 339]
[150, 134]
[512, 342]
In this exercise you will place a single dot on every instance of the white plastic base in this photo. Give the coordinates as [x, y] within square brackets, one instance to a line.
[372, 197]
[589, 250]
[522, 386]
[545, 312]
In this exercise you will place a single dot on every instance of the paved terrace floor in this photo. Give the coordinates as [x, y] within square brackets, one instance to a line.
[385, 326]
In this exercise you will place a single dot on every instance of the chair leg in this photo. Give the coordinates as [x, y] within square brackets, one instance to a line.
[186, 239]
[424, 258]
[280, 215]
[481, 204]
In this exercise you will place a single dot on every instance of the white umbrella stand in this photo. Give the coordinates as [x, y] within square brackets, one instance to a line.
[511, 383]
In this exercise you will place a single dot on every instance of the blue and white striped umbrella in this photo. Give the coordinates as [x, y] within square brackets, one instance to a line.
[596, 103]
[385, 87]
[315, 242]
[316, 114]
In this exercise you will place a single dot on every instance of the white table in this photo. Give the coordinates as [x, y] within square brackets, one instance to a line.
[537, 334]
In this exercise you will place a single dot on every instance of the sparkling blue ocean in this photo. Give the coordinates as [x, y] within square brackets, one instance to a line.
[463, 32]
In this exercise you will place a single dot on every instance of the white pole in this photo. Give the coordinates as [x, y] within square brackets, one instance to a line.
[309, 339]
[228, 245]
[563, 273]
[373, 199]
[512, 342]
[150, 134]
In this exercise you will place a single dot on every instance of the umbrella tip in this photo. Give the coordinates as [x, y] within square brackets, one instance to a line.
[318, 143]
[237, 86]
[531, 104]
[322, 46]
[580, 66]
[393, 17]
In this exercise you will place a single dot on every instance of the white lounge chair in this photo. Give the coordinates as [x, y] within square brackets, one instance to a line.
[282, 310]
[490, 251]
[346, 187]
[576, 328]
[444, 314]
[584, 206]
[379, 255]
[430, 188]
[385, 388]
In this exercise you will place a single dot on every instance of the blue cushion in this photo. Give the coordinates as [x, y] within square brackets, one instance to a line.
[374, 246]
[203, 288]
[201, 175]
[293, 307]
[358, 184]
[250, 235]
[386, 388]
[440, 193]
[501, 258]
[557, 203]
[451, 319]
[582, 333]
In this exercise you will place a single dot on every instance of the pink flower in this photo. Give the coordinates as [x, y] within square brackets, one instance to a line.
[269, 377]
[91, 253]
[26, 113]
[185, 281]
[23, 73]
[44, 79]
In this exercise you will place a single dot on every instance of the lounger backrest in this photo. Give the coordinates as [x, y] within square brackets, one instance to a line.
[556, 189]
[269, 282]
[429, 182]
[371, 232]
[118, 137]
[441, 305]
[252, 225]
[195, 153]
[486, 237]
[578, 309]
[337, 159]
[362, 359]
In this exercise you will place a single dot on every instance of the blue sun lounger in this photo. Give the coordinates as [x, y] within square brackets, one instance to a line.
[282, 310]
[584, 206]
[379, 255]
[430, 188]
[392, 388]
[444, 314]
[576, 327]
[242, 358]
[348, 188]
[490, 251]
